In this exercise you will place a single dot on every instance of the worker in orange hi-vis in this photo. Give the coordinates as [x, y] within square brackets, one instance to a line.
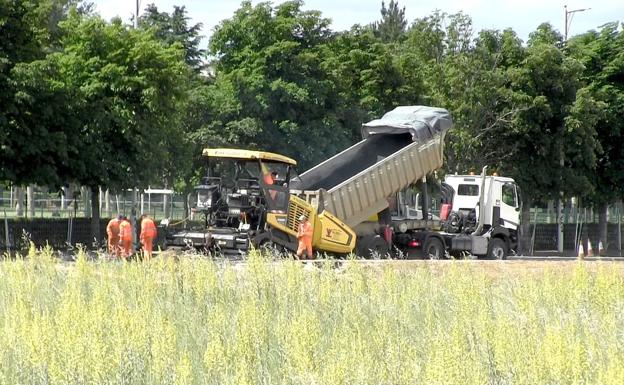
[125, 238]
[269, 179]
[112, 231]
[304, 235]
[148, 234]
[267, 176]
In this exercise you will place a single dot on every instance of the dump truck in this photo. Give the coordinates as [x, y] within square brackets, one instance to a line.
[367, 184]
[254, 199]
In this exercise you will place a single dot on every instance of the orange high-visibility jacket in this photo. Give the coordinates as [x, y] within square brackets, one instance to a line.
[125, 230]
[305, 230]
[112, 229]
[148, 229]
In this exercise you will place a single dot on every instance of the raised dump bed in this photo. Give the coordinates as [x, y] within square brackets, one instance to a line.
[402, 147]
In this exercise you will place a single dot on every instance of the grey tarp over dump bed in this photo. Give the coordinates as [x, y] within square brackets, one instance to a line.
[422, 122]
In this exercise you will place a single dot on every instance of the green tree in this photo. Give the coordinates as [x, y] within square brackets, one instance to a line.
[195, 112]
[29, 29]
[270, 59]
[174, 28]
[393, 24]
[121, 89]
[601, 54]
[371, 77]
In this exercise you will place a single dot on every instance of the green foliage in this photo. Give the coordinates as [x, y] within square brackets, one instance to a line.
[199, 321]
[173, 28]
[29, 29]
[603, 77]
[100, 103]
[127, 86]
[515, 107]
[271, 89]
[393, 24]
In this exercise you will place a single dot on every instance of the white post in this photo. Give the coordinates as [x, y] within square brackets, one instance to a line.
[165, 204]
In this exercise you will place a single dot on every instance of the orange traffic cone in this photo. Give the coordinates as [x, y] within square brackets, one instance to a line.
[581, 251]
[590, 249]
[601, 249]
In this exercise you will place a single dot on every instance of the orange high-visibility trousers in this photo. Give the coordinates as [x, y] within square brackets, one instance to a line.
[113, 246]
[148, 244]
[126, 248]
[305, 244]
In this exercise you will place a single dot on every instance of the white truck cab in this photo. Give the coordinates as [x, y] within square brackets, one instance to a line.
[501, 198]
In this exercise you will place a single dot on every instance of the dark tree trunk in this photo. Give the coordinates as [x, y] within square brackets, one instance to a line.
[95, 215]
[525, 227]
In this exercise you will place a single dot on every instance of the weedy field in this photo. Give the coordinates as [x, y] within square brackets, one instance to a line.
[197, 321]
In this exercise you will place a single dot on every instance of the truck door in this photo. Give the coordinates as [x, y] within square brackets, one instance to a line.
[510, 206]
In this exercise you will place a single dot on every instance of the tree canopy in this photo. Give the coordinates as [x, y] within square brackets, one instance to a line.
[104, 104]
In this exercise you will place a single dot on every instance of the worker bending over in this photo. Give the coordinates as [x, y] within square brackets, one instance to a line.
[112, 230]
[148, 234]
[304, 235]
[125, 238]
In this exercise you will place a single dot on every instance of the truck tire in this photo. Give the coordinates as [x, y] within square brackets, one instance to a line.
[373, 247]
[434, 249]
[497, 249]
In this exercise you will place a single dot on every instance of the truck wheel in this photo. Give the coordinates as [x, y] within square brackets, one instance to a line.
[497, 249]
[373, 247]
[434, 249]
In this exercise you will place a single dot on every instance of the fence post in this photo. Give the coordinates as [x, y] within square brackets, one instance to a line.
[69, 219]
[6, 233]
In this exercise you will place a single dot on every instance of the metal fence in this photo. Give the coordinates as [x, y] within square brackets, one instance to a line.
[580, 227]
[580, 224]
[158, 203]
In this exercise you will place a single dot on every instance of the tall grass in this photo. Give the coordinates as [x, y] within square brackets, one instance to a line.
[204, 322]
